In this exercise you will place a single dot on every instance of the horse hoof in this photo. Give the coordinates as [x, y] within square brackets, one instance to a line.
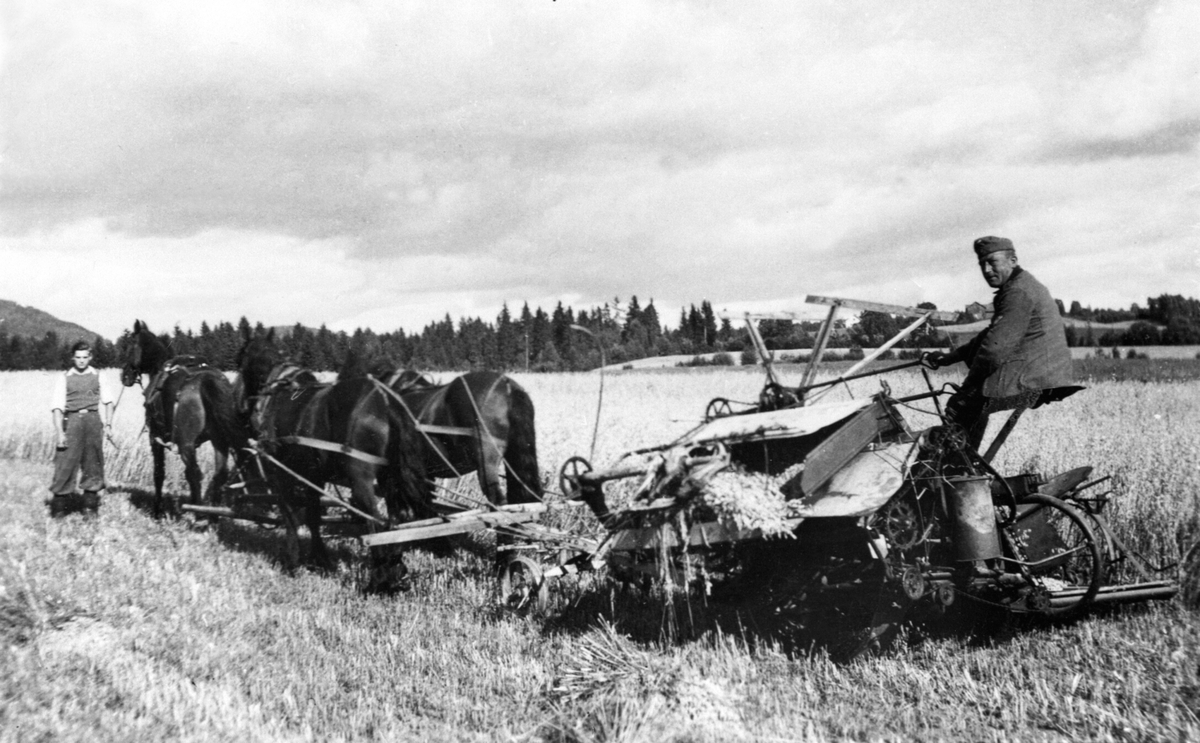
[387, 587]
[439, 546]
[388, 583]
[323, 567]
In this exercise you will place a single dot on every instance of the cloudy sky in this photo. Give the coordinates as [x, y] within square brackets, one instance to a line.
[380, 164]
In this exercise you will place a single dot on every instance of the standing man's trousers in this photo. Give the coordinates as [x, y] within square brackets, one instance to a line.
[83, 456]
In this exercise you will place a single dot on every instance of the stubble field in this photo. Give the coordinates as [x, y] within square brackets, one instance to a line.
[128, 628]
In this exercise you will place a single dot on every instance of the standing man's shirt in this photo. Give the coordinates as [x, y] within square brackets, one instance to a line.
[76, 390]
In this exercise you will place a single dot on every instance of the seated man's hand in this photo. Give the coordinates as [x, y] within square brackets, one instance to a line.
[934, 359]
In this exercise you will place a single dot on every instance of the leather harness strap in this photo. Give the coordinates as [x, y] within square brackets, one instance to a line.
[337, 448]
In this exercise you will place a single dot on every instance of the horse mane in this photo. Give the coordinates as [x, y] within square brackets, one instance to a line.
[188, 361]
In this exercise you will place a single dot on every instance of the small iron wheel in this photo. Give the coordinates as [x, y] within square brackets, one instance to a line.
[522, 586]
[945, 595]
[569, 474]
[718, 407]
[913, 583]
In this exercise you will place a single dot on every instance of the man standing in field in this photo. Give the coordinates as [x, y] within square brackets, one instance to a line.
[1021, 359]
[82, 410]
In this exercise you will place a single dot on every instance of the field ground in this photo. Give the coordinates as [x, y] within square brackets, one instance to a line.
[127, 628]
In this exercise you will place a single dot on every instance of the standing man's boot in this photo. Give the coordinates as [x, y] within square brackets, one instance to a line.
[61, 505]
[91, 502]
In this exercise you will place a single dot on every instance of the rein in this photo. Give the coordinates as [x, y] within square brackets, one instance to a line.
[260, 455]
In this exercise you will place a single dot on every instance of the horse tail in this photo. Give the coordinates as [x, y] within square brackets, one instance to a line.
[225, 425]
[523, 478]
[407, 465]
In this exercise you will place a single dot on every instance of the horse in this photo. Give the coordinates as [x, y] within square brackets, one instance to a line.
[187, 403]
[482, 422]
[350, 432]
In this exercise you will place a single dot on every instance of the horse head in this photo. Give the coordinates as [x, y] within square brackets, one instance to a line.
[144, 354]
[353, 366]
[255, 360]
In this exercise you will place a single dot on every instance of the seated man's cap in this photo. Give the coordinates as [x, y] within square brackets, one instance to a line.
[987, 245]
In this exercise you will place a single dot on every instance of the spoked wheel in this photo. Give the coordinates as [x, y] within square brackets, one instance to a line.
[1060, 555]
[718, 407]
[569, 474]
[522, 586]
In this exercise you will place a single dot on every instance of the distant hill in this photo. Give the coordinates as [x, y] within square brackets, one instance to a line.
[17, 319]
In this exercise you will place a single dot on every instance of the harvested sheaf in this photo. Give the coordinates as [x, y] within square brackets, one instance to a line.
[743, 500]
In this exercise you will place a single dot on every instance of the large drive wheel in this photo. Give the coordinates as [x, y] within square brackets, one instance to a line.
[1062, 559]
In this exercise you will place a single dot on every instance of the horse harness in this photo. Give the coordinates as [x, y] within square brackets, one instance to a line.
[286, 377]
[153, 404]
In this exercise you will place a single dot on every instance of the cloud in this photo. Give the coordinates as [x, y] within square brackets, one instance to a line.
[419, 156]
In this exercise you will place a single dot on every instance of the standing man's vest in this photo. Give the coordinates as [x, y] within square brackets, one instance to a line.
[83, 392]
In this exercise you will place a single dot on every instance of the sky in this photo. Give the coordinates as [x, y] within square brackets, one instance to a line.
[368, 163]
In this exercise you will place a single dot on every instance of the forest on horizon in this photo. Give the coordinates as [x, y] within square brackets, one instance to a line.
[569, 340]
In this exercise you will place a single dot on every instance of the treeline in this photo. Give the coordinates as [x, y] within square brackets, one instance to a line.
[1167, 320]
[20, 352]
[534, 340]
[569, 340]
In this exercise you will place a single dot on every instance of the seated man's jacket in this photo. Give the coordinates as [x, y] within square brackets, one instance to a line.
[1024, 348]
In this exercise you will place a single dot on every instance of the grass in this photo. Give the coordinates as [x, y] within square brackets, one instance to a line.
[127, 628]
[1148, 370]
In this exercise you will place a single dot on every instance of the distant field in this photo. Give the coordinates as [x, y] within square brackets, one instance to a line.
[1080, 352]
[133, 629]
[1154, 352]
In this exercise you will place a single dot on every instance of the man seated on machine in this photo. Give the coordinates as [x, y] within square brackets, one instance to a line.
[1021, 359]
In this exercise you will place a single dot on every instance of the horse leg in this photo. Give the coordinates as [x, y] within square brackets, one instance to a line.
[214, 494]
[318, 554]
[159, 454]
[386, 571]
[491, 464]
[291, 525]
[362, 489]
[191, 471]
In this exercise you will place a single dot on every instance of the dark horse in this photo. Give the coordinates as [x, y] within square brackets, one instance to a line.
[350, 433]
[187, 404]
[480, 422]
